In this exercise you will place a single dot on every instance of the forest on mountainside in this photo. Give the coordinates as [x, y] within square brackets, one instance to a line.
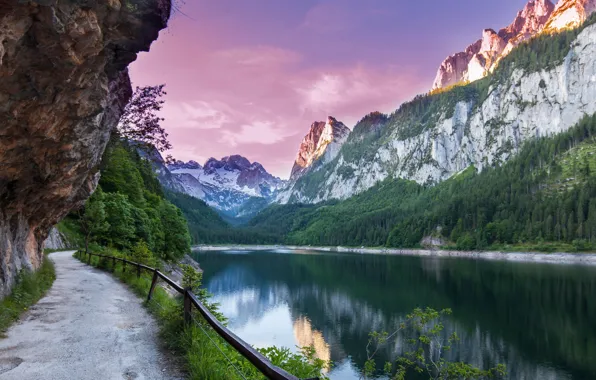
[546, 193]
[129, 211]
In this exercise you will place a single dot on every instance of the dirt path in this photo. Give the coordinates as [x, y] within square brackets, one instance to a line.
[89, 326]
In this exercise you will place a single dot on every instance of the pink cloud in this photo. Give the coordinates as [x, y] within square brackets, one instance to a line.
[259, 100]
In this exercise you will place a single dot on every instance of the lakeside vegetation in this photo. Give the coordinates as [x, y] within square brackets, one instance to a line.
[206, 355]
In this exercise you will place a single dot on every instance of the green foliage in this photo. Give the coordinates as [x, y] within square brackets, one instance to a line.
[141, 254]
[422, 332]
[128, 209]
[29, 288]
[206, 226]
[177, 238]
[119, 217]
[207, 356]
[304, 365]
[93, 219]
[365, 219]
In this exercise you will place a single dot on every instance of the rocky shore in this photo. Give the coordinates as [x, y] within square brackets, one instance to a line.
[553, 258]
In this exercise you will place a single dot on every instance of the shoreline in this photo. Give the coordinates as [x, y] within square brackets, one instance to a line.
[530, 257]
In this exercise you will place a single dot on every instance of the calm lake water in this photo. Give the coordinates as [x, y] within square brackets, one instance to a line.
[538, 319]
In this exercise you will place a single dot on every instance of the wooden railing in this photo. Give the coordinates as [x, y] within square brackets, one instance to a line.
[190, 300]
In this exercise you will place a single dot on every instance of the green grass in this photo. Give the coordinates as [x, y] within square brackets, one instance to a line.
[30, 288]
[201, 348]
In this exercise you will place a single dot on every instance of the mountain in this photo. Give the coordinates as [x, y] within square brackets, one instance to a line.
[570, 14]
[320, 146]
[64, 84]
[321, 143]
[543, 87]
[226, 184]
[483, 56]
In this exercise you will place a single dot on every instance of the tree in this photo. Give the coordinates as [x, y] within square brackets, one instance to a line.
[140, 122]
[93, 217]
[176, 236]
[141, 254]
[121, 232]
[429, 345]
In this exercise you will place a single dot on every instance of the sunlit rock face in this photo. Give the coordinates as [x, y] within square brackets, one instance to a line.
[538, 16]
[322, 142]
[483, 55]
[570, 14]
[63, 86]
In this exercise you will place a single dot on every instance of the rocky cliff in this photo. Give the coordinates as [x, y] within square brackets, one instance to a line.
[482, 124]
[63, 86]
[322, 142]
[483, 56]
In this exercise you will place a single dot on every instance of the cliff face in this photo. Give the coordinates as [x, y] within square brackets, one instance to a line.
[63, 86]
[482, 57]
[480, 131]
[324, 139]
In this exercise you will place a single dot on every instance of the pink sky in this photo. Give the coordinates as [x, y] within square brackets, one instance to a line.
[249, 77]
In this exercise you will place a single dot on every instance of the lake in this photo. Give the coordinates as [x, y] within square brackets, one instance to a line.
[538, 319]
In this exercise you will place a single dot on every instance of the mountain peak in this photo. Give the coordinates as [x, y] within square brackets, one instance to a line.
[481, 57]
[323, 140]
[225, 184]
[570, 14]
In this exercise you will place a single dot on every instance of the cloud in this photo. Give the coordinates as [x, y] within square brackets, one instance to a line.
[257, 56]
[259, 101]
[197, 114]
[350, 89]
[258, 132]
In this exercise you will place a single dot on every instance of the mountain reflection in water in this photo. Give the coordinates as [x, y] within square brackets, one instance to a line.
[535, 318]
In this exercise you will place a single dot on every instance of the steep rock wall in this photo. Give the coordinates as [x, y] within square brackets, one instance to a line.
[63, 86]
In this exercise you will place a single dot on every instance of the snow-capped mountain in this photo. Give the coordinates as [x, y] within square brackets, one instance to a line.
[225, 184]
[483, 56]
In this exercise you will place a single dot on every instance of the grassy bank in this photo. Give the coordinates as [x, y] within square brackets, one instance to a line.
[30, 288]
[206, 355]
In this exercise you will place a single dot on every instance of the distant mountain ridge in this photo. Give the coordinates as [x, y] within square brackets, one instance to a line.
[543, 87]
[481, 57]
[225, 184]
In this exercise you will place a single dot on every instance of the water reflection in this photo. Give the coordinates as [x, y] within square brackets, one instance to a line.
[536, 318]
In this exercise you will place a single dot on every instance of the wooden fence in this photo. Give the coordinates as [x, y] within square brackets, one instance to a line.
[190, 300]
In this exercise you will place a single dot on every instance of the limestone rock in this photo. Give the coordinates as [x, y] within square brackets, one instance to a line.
[323, 141]
[63, 86]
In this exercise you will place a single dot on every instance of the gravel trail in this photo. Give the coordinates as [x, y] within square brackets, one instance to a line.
[88, 326]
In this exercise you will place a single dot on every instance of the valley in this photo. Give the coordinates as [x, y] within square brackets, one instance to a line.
[499, 163]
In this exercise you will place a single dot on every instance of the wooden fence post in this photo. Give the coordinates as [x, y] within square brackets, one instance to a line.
[124, 267]
[114, 264]
[89, 259]
[153, 283]
[187, 307]
[138, 271]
